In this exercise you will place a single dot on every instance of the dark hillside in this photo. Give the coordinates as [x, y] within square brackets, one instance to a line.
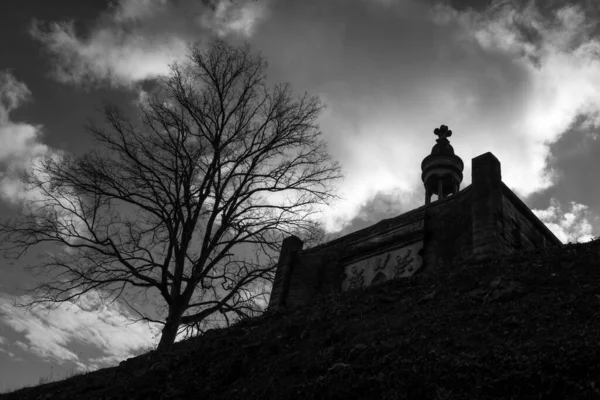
[524, 326]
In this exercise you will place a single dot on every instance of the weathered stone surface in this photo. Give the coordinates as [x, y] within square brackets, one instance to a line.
[486, 206]
[289, 250]
[521, 229]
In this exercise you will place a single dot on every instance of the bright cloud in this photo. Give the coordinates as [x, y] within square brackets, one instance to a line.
[570, 226]
[510, 80]
[22, 150]
[231, 18]
[562, 60]
[50, 331]
[21, 142]
[137, 40]
[117, 57]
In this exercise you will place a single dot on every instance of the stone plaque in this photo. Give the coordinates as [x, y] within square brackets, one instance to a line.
[396, 263]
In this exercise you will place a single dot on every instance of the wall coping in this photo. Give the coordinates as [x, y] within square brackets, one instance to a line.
[395, 222]
[411, 238]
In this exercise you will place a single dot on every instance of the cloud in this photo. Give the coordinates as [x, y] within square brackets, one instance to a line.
[382, 205]
[3, 340]
[10, 354]
[570, 226]
[51, 332]
[22, 346]
[507, 79]
[22, 151]
[560, 55]
[136, 40]
[21, 142]
[510, 78]
[116, 57]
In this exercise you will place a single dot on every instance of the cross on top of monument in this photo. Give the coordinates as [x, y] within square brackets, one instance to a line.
[443, 132]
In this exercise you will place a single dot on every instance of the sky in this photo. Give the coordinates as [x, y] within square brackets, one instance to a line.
[520, 79]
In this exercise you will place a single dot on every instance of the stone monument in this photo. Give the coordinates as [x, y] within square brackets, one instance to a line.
[485, 219]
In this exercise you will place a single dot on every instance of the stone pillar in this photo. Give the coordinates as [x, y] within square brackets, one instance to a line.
[486, 206]
[440, 189]
[285, 265]
[427, 196]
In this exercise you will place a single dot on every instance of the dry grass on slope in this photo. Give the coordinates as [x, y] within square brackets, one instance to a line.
[525, 326]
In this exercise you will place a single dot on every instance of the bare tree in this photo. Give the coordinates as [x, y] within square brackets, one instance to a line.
[217, 164]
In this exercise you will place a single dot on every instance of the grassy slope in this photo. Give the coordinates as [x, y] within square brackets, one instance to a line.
[526, 326]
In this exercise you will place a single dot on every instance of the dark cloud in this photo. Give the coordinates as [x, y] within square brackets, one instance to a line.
[381, 206]
[575, 158]
[390, 71]
[389, 75]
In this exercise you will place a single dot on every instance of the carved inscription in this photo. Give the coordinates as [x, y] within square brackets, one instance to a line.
[357, 279]
[396, 263]
[381, 262]
[380, 277]
[403, 264]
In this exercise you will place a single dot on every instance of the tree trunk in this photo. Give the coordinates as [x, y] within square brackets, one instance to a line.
[169, 332]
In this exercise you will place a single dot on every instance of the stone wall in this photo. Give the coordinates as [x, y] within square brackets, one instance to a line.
[502, 223]
[486, 206]
[448, 231]
[324, 269]
[520, 228]
[287, 259]
[431, 236]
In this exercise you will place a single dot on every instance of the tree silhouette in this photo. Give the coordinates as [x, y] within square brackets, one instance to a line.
[190, 200]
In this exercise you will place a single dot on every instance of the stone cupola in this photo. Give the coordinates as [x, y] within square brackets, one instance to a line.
[442, 169]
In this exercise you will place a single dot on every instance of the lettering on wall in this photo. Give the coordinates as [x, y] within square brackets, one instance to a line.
[396, 263]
